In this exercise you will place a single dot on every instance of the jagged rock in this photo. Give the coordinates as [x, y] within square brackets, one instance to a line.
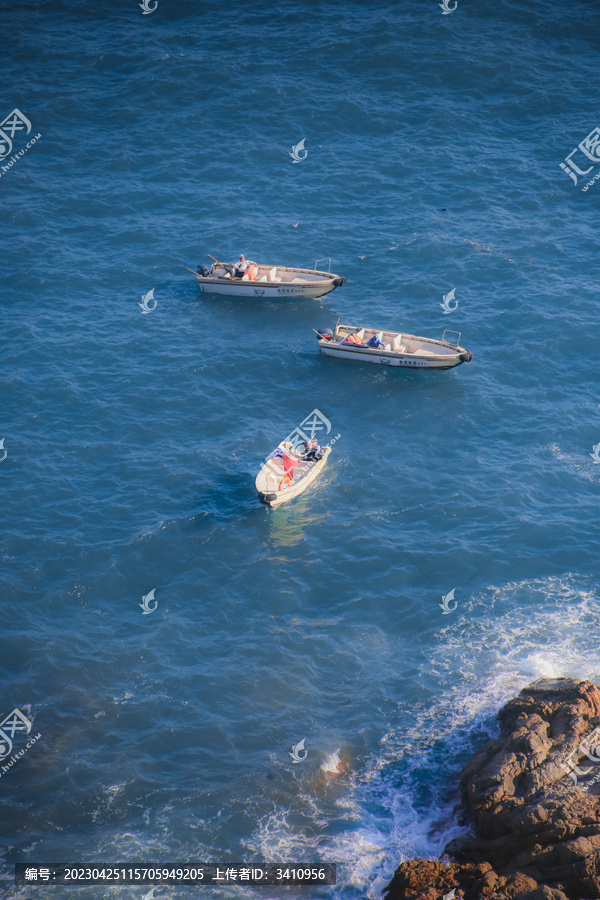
[536, 833]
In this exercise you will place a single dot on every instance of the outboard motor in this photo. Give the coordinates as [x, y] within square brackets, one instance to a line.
[325, 334]
[266, 498]
[204, 271]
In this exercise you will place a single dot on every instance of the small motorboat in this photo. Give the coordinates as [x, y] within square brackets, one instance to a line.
[270, 282]
[286, 474]
[392, 348]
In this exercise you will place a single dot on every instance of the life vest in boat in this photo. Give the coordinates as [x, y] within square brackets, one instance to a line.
[354, 339]
[252, 272]
[289, 464]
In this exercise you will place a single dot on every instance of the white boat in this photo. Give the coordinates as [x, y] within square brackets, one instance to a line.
[396, 348]
[269, 480]
[270, 282]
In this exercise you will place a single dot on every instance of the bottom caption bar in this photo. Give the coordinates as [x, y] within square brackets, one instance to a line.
[180, 873]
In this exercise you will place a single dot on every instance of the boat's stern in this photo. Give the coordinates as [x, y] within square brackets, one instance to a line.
[324, 334]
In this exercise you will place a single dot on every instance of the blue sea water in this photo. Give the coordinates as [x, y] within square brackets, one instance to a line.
[132, 440]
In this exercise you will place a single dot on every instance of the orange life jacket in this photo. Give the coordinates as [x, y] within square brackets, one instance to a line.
[252, 272]
[289, 464]
[354, 339]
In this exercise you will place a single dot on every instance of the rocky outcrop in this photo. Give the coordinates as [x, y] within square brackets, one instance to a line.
[535, 822]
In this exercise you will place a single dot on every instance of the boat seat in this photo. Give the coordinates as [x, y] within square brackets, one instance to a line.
[388, 347]
[297, 280]
[397, 343]
[273, 274]
[264, 278]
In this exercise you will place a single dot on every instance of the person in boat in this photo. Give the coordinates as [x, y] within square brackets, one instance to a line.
[376, 342]
[241, 266]
[310, 451]
[354, 339]
[289, 464]
[233, 270]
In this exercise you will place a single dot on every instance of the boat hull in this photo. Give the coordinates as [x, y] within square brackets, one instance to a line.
[397, 349]
[263, 291]
[393, 359]
[270, 282]
[269, 477]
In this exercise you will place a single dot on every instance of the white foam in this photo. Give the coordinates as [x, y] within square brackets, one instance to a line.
[332, 763]
[401, 805]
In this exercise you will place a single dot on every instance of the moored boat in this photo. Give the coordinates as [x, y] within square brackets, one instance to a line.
[286, 474]
[393, 348]
[269, 282]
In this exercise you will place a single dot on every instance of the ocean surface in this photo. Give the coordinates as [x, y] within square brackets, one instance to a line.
[131, 441]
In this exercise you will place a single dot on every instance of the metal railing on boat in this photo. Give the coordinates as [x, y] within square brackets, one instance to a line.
[448, 342]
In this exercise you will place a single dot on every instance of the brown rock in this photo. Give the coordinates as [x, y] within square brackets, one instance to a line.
[543, 893]
[536, 833]
[421, 880]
